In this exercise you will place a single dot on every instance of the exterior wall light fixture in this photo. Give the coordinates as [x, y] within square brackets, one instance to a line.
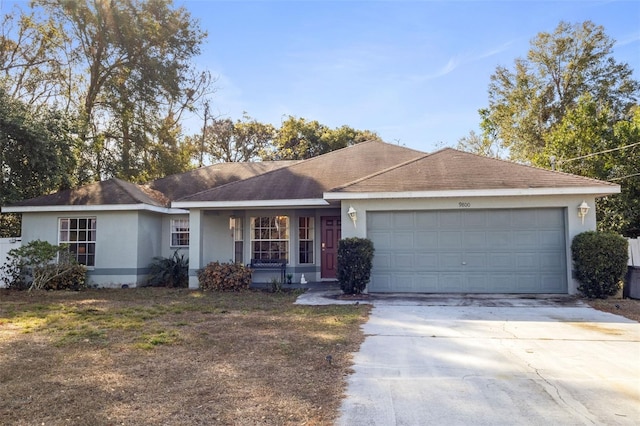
[353, 214]
[583, 209]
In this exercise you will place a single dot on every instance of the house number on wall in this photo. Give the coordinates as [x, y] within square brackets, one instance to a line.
[464, 205]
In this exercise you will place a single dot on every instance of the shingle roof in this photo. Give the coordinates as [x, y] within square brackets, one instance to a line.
[112, 191]
[157, 193]
[450, 169]
[194, 181]
[309, 179]
[368, 167]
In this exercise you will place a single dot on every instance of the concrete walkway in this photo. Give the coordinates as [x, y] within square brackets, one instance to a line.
[493, 361]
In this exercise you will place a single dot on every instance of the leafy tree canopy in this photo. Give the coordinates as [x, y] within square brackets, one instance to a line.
[527, 101]
[569, 105]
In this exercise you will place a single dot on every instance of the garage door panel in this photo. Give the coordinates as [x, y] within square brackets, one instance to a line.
[382, 240]
[499, 219]
[527, 261]
[500, 261]
[477, 283]
[450, 239]
[381, 282]
[403, 239]
[382, 260]
[551, 284]
[552, 261]
[380, 220]
[475, 219]
[477, 261]
[404, 260]
[450, 261]
[403, 220]
[426, 240]
[475, 239]
[525, 239]
[452, 220]
[426, 220]
[499, 239]
[426, 261]
[527, 283]
[501, 283]
[485, 251]
[550, 218]
[525, 219]
[550, 239]
[451, 283]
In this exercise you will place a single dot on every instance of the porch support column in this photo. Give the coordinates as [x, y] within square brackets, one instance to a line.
[195, 246]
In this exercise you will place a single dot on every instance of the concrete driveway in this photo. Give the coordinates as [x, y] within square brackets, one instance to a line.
[494, 361]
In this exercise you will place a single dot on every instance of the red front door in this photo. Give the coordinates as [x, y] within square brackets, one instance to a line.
[330, 227]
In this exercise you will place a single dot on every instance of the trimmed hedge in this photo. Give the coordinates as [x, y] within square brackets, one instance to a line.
[218, 276]
[600, 262]
[355, 260]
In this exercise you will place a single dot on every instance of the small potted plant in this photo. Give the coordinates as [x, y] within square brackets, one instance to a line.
[289, 278]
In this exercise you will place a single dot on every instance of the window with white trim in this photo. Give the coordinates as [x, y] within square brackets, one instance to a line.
[235, 224]
[79, 234]
[305, 240]
[270, 237]
[179, 232]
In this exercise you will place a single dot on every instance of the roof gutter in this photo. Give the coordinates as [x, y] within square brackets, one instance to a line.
[309, 202]
[598, 191]
[91, 208]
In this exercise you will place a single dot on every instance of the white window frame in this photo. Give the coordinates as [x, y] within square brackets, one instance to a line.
[306, 235]
[81, 240]
[236, 225]
[270, 237]
[179, 231]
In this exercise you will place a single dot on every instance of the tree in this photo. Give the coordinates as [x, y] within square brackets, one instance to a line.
[28, 70]
[244, 140]
[527, 102]
[37, 155]
[299, 139]
[586, 143]
[122, 66]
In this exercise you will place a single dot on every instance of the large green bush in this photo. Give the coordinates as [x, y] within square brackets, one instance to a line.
[224, 277]
[600, 262]
[355, 259]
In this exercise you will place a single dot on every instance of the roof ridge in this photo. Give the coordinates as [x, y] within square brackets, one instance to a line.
[246, 179]
[379, 172]
[141, 195]
[297, 162]
[529, 166]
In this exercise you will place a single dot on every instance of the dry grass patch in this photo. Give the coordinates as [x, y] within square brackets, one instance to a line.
[172, 357]
[629, 308]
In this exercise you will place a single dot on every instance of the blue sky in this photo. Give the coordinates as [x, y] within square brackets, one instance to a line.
[415, 72]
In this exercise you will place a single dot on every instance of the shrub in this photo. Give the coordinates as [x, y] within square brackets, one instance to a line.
[355, 257]
[224, 277]
[41, 265]
[169, 271]
[74, 279]
[600, 262]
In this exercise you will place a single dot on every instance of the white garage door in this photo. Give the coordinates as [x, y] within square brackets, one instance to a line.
[469, 251]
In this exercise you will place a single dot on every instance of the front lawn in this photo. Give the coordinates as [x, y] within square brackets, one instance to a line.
[173, 357]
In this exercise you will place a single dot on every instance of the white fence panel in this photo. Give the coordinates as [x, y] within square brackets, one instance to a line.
[634, 252]
[7, 244]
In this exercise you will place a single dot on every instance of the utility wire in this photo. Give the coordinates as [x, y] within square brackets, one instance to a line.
[597, 153]
[624, 177]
